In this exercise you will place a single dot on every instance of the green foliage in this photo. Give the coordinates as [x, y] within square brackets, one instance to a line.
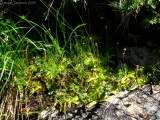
[130, 7]
[128, 79]
[5, 74]
[71, 73]
[71, 77]
[134, 5]
[78, 81]
[152, 73]
[15, 47]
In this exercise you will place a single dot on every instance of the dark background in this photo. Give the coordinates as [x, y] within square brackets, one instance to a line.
[103, 22]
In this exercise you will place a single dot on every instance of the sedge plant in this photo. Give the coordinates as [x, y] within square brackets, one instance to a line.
[70, 76]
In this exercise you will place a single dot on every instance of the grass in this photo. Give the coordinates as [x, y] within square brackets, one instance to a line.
[69, 74]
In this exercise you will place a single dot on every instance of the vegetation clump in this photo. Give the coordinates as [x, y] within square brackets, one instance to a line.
[69, 72]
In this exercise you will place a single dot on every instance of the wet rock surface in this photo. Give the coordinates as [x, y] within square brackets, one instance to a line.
[138, 104]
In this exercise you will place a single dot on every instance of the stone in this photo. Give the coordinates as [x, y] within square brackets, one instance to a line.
[138, 56]
[153, 118]
[157, 114]
[126, 105]
[43, 114]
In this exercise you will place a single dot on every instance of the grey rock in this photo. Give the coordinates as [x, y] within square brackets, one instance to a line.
[138, 56]
[157, 114]
[70, 115]
[126, 105]
[153, 118]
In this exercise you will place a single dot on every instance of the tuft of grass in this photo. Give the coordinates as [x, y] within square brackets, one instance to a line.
[69, 74]
[15, 51]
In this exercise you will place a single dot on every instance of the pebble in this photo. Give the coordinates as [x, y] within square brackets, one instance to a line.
[157, 114]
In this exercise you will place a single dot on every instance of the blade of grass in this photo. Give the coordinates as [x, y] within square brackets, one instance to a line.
[72, 34]
[7, 78]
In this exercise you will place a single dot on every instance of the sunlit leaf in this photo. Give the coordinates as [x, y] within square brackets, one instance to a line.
[91, 104]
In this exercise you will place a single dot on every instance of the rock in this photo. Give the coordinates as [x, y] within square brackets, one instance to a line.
[43, 114]
[153, 118]
[48, 114]
[138, 56]
[126, 105]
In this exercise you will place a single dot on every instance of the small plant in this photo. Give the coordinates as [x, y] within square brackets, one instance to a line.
[152, 73]
[5, 83]
[77, 81]
[132, 7]
[5, 71]
[129, 79]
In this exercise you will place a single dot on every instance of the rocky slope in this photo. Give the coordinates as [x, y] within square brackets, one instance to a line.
[138, 104]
